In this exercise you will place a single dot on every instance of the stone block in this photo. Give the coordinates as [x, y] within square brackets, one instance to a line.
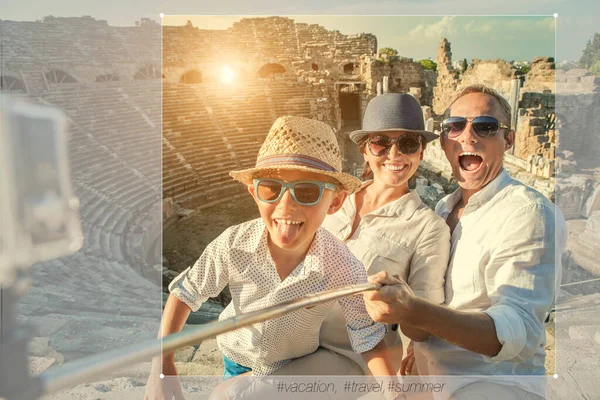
[590, 80]
[185, 354]
[582, 331]
[592, 203]
[576, 73]
[592, 227]
[37, 365]
[561, 77]
[571, 194]
[568, 155]
[537, 130]
[537, 122]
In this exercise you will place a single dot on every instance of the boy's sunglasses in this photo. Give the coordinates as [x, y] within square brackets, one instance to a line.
[306, 193]
[483, 126]
[379, 146]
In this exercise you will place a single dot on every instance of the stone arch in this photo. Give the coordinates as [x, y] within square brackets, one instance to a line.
[10, 83]
[191, 76]
[349, 68]
[147, 72]
[107, 77]
[59, 76]
[270, 69]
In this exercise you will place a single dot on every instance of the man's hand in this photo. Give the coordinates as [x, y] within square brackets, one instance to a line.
[409, 361]
[163, 389]
[392, 303]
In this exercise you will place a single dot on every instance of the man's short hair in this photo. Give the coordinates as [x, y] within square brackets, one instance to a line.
[479, 88]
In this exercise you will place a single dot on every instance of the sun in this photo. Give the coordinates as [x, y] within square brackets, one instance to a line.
[227, 74]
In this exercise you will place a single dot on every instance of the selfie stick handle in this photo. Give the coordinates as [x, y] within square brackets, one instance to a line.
[14, 340]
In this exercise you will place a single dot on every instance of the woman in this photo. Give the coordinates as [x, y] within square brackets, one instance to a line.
[387, 227]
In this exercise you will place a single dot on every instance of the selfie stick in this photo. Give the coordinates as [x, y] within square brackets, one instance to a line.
[92, 367]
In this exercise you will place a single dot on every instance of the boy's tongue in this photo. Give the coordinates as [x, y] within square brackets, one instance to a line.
[287, 232]
[470, 163]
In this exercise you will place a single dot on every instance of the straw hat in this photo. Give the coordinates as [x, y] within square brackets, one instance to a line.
[296, 143]
[393, 112]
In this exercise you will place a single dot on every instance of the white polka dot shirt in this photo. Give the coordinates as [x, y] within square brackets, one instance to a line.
[240, 257]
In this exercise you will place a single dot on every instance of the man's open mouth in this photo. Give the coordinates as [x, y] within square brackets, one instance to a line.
[470, 162]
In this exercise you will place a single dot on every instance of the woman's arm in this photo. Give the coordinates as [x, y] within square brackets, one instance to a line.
[379, 361]
[428, 270]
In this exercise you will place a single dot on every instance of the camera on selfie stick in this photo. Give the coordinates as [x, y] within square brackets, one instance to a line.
[39, 219]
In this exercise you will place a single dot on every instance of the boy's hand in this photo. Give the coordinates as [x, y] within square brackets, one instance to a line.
[392, 303]
[163, 389]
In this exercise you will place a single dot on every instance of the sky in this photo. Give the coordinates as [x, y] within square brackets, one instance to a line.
[418, 37]
[514, 38]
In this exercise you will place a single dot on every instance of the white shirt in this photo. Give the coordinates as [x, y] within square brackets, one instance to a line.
[240, 257]
[505, 257]
[404, 237]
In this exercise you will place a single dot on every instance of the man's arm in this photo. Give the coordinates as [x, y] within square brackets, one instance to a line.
[395, 302]
[416, 334]
[520, 281]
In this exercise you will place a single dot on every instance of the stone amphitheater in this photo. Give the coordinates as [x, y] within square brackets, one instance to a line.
[130, 110]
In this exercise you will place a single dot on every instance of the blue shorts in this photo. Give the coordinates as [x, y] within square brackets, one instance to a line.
[231, 368]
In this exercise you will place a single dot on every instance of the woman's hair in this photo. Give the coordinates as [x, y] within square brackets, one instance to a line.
[366, 172]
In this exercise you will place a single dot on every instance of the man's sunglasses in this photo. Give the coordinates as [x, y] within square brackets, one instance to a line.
[483, 126]
[408, 144]
[306, 193]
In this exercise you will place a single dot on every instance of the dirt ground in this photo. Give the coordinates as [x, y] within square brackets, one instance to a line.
[185, 241]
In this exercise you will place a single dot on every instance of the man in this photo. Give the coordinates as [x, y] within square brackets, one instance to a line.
[505, 256]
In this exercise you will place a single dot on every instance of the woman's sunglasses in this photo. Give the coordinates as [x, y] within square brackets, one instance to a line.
[379, 146]
[306, 193]
[483, 126]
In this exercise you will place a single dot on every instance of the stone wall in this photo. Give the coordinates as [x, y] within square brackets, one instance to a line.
[541, 77]
[535, 134]
[578, 112]
[256, 41]
[447, 78]
[430, 78]
[494, 73]
[403, 75]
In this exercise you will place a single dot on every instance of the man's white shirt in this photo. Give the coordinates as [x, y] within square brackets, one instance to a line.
[505, 261]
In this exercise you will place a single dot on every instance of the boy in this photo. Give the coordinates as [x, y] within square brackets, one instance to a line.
[281, 256]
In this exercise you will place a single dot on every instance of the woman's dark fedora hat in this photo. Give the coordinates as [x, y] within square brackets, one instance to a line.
[393, 112]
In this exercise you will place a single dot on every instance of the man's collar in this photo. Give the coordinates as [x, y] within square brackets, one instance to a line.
[477, 200]
[480, 198]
